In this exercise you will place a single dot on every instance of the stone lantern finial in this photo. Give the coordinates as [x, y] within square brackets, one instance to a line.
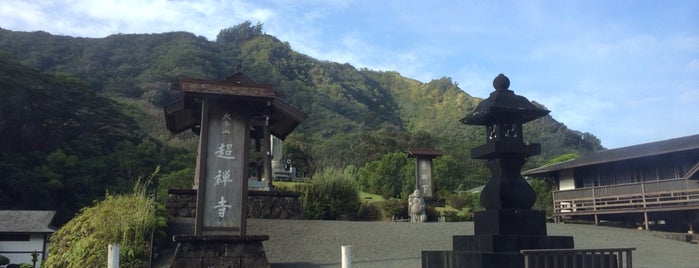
[501, 82]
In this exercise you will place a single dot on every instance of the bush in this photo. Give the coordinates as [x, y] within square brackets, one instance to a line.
[457, 201]
[124, 219]
[331, 195]
[395, 209]
[369, 212]
[453, 216]
[432, 213]
[463, 200]
[4, 260]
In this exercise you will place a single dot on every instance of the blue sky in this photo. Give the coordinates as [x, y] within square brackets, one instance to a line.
[626, 71]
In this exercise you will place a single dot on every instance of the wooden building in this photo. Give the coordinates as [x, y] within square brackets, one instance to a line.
[647, 181]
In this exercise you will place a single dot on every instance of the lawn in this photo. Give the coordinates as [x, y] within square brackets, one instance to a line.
[374, 199]
[371, 198]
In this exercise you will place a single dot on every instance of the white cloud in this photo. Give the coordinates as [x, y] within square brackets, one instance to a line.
[105, 17]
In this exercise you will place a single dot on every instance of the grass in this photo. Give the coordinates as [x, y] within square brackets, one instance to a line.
[371, 198]
[287, 184]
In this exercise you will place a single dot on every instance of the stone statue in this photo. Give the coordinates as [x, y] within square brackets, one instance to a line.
[416, 206]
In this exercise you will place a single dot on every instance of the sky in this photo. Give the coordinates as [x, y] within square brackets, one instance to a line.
[625, 71]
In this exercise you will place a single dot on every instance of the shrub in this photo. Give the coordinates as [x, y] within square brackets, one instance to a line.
[4, 260]
[463, 200]
[457, 201]
[124, 219]
[452, 216]
[432, 213]
[368, 212]
[395, 208]
[331, 195]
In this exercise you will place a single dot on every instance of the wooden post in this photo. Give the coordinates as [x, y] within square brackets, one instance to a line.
[645, 220]
[594, 199]
[645, 213]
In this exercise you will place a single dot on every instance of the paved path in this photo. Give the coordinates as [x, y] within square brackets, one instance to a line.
[303, 243]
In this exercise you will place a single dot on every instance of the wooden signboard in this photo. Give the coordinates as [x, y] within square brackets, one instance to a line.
[424, 175]
[222, 188]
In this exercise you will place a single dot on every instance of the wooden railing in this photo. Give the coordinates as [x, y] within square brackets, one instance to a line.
[648, 196]
[578, 258]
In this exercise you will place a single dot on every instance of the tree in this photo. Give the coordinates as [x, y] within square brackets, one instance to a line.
[59, 142]
[241, 32]
[391, 176]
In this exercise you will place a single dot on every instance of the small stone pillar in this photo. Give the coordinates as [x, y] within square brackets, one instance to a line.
[232, 112]
[508, 223]
[423, 169]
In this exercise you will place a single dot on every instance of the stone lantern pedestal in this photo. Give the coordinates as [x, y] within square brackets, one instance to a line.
[508, 223]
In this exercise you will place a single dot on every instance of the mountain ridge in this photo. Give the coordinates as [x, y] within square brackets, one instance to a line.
[354, 115]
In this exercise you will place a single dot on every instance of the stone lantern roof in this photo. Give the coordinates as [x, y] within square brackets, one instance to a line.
[503, 105]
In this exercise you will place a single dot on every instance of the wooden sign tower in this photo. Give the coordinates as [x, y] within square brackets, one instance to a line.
[227, 115]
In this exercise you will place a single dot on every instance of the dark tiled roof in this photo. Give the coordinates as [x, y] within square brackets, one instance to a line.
[183, 115]
[636, 151]
[26, 221]
[424, 152]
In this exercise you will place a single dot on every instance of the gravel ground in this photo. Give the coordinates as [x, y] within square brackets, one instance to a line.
[303, 243]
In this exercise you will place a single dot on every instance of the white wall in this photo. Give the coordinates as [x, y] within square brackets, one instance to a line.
[36, 242]
[566, 180]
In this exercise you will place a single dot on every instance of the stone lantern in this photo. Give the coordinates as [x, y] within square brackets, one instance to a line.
[502, 114]
[508, 223]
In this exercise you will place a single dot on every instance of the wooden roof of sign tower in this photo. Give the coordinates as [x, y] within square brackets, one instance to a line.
[184, 114]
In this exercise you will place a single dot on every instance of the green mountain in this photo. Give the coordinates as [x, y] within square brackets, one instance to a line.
[354, 115]
[61, 145]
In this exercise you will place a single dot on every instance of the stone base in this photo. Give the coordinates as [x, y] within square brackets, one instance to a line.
[499, 236]
[509, 222]
[475, 251]
[219, 251]
[509, 243]
[453, 259]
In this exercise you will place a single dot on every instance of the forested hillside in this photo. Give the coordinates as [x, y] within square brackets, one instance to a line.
[355, 116]
[61, 145]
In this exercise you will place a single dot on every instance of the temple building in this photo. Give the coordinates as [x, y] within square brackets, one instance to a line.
[646, 183]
